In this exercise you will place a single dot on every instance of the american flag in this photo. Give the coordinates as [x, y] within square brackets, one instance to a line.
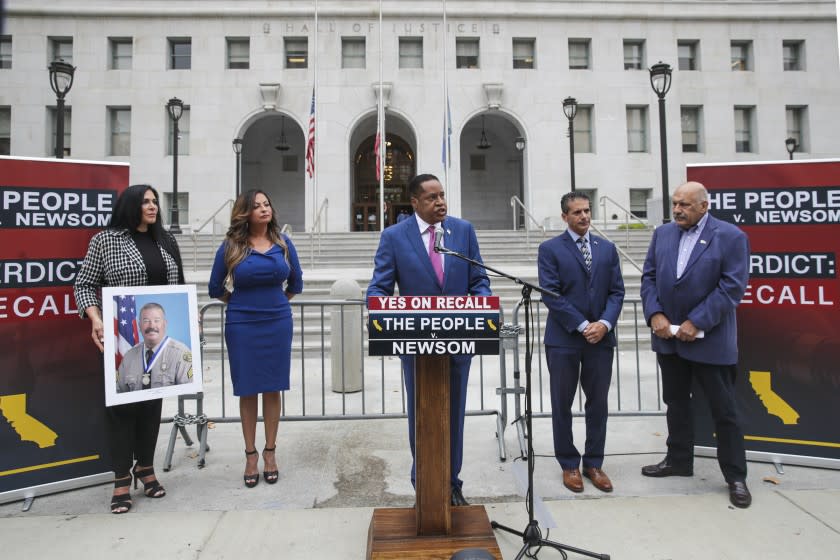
[125, 326]
[310, 141]
[446, 145]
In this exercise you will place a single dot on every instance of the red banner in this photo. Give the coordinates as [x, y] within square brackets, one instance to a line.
[788, 333]
[51, 395]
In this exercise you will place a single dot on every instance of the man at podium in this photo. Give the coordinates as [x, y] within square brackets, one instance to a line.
[406, 257]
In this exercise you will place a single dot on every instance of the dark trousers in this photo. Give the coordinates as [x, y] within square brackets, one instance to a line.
[592, 366]
[132, 434]
[459, 373]
[718, 383]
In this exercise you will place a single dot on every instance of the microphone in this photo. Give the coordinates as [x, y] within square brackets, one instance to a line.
[439, 239]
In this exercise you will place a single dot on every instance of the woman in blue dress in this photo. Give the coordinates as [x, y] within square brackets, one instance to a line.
[256, 272]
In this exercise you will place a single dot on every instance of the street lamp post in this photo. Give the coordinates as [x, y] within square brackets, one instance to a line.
[790, 145]
[519, 144]
[237, 149]
[660, 81]
[570, 110]
[61, 80]
[175, 107]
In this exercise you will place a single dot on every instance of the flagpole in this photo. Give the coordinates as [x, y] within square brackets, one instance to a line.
[315, 101]
[380, 127]
[446, 148]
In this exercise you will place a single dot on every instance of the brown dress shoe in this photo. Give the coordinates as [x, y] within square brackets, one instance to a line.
[572, 480]
[739, 494]
[599, 478]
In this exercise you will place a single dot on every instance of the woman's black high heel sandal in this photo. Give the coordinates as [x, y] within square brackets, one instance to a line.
[270, 476]
[251, 480]
[152, 489]
[121, 503]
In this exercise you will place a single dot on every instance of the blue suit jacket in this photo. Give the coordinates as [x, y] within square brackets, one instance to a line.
[584, 295]
[402, 259]
[711, 287]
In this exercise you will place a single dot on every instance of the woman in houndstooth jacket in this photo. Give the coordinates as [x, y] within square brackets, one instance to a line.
[134, 250]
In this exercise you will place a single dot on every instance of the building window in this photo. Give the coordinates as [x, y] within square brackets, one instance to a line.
[579, 54]
[744, 129]
[120, 53]
[5, 131]
[466, 52]
[61, 48]
[180, 53]
[183, 208]
[5, 52]
[523, 53]
[290, 164]
[297, 52]
[796, 118]
[352, 52]
[478, 162]
[411, 52]
[53, 114]
[583, 130]
[637, 128]
[638, 202]
[634, 54]
[687, 54]
[119, 122]
[183, 132]
[741, 56]
[238, 53]
[690, 120]
[792, 52]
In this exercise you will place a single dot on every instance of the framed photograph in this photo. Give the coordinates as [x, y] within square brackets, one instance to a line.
[152, 348]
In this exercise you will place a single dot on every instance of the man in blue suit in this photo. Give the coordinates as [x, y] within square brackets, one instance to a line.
[405, 258]
[694, 277]
[580, 337]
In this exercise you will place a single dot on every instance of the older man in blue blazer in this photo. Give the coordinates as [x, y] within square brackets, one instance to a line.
[694, 277]
[405, 257]
[585, 271]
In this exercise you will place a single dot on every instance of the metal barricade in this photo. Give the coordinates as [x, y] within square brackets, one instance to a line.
[382, 394]
[646, 400]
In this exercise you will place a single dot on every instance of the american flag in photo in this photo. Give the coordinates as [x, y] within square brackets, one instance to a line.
[125, 326]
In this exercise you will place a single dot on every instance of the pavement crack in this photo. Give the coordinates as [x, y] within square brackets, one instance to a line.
[200, 549]
[806, 512]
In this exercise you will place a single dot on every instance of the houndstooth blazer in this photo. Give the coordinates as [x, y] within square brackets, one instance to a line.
[113, 259]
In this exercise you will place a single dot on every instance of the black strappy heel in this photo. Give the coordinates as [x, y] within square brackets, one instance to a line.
[152, 489]
[251, 480]
[120, 501]
[270, 476]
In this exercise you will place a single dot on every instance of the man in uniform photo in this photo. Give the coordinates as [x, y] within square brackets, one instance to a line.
[158, 361]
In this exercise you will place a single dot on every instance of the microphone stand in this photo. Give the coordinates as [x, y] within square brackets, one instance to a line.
[531, 536]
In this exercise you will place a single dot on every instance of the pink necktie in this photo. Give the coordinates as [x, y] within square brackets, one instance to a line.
[436, 258]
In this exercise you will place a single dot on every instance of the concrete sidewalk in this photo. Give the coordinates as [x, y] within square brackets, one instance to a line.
[334, 473]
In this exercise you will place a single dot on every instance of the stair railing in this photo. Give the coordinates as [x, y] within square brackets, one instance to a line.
[630, 219]
[320, 223]
[226, 204]
[618, 248]
[516, 204]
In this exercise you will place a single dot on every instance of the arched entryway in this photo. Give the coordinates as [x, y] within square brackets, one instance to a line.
[492, 170]
[273, 161]
[400, 167]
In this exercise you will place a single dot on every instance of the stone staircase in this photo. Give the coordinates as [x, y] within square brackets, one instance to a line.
[331, 256]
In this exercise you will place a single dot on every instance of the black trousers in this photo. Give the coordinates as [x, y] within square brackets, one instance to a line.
[132, 434]
[718, 383]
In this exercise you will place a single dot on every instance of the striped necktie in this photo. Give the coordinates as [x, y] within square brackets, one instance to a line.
[587, 256]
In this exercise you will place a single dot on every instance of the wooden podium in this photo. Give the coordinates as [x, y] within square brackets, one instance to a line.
[432, 529]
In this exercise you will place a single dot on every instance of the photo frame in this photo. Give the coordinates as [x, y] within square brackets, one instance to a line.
[152, 346]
